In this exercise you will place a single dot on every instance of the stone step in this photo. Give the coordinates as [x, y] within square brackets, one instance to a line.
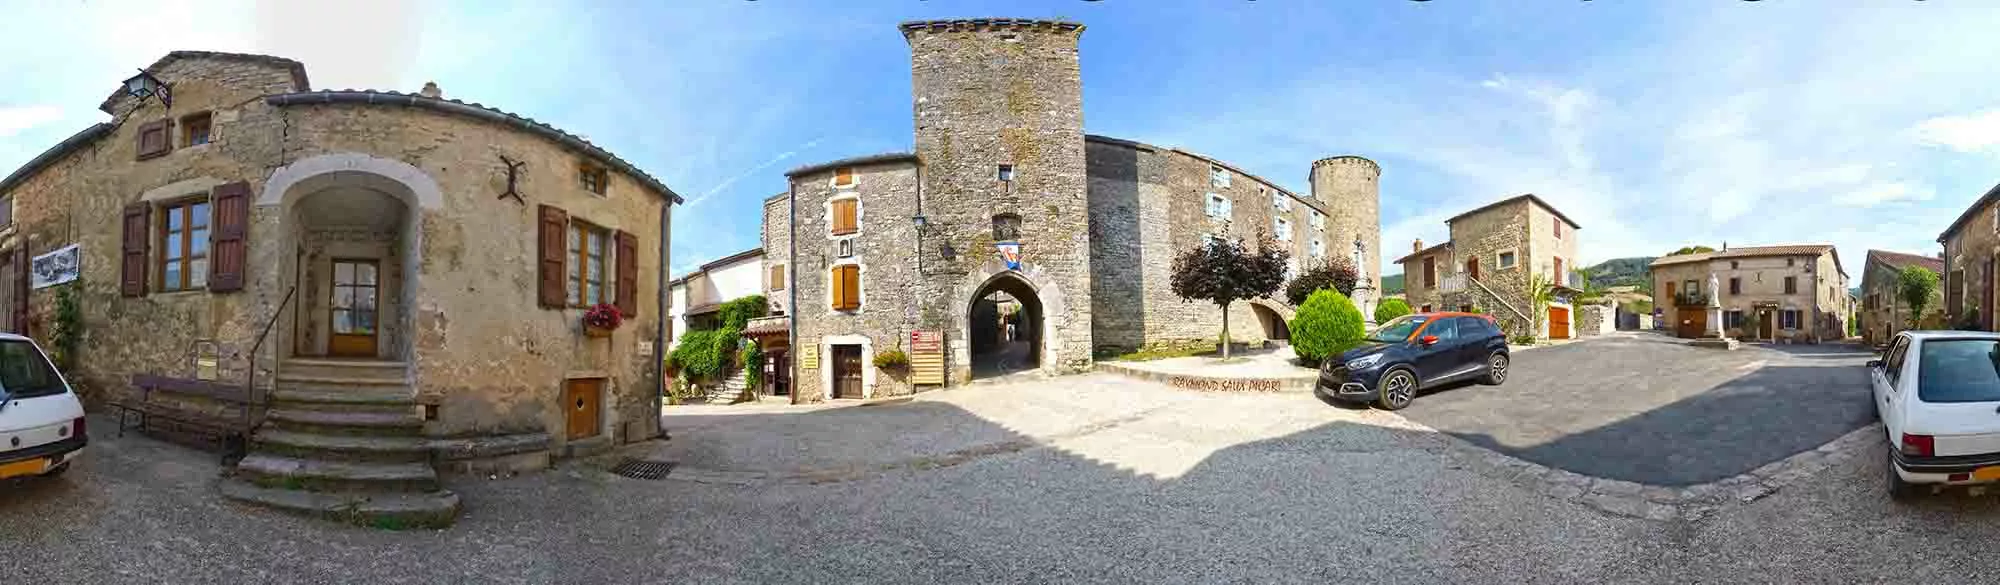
[395, 511]
[320, 475]
[391, 400]
[343, 368]
[338, 422]
[343, 447]
[339, 380]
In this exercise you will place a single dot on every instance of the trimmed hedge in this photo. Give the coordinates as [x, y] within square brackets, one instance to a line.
[1326, 325]
[1390, 309]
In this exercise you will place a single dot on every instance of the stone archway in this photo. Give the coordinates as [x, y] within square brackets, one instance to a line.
[1028, 281]
[1274, 324]
[352, 231]
[1004, 327]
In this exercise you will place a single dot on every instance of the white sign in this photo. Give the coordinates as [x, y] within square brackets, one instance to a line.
[53, 268]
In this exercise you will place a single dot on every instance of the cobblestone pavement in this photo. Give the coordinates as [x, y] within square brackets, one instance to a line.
[1149, 485]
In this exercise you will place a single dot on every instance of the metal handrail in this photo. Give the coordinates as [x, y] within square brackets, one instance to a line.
[250, 381]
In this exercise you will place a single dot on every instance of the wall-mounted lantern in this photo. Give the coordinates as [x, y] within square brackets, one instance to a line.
[144, 85]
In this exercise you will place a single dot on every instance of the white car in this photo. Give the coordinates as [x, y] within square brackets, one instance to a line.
[41, 421]
[1938, 395]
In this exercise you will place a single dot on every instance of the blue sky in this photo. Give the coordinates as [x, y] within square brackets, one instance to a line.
[1864, 123]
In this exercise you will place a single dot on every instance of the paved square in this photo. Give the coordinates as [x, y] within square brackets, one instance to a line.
[1648, 409]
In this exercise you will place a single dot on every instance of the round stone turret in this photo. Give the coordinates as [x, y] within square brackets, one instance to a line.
[1348, 187]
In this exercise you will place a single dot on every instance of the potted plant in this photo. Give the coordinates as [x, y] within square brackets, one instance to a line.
[601, 320]
[892, 360]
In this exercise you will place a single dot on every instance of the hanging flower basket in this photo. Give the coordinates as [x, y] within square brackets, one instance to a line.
[601, 320]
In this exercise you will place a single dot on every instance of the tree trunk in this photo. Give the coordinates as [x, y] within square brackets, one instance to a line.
[1225, 331]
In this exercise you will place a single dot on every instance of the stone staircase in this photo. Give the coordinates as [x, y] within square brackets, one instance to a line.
[732, 389]
[343, 439]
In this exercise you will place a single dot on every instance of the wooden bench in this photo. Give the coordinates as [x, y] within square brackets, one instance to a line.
[148, 410]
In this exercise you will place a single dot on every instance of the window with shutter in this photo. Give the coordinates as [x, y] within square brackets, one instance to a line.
[845, 220]
[155, 139]
[777, 278]
[846, 287]
[1472, 266]
[230, 258]
[551, 255]
[843, 177]
[586, 279]
[1430, 272]
[132, 268]
[627, 258]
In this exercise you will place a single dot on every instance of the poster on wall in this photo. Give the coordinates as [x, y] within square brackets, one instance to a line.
[53, 268]
[1010, 252]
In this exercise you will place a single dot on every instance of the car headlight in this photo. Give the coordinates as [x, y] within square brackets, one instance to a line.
[1363, 363]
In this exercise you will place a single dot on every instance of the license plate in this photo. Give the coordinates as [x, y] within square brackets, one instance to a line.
[1986, 473]
[18, 468]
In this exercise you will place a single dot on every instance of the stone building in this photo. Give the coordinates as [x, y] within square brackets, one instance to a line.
[1883, 312]
[397, 266]
[1971, 245]
[1494, 253]
[695, 298]
[1005, 201]
[1770, 293]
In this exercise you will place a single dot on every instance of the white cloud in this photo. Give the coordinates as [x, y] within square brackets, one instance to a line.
[1975, 132]
[14, 120]
[1880, 193]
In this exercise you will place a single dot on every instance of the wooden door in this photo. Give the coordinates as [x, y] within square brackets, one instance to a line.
[353, 302]
[1694, 323]
[1558, 323]
[583, 400]
[847, 371]
[778, 381]
[1766, 324]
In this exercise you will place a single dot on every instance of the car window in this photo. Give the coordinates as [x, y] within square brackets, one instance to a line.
[1959, 370]
[1892, 365]
[1473, 327]
[25, 374]
[1397, 329]
[1443, 329]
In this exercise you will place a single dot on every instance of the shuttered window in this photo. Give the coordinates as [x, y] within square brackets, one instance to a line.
[627, 276]
[1472, 266]
[588, 251]
[843, 177]
[845, 216]
[155, 139]
[137, 244]
[184, 230]
[1430, 272]
[552, 224]
[846, 280]
[231, 257]
[777, 277]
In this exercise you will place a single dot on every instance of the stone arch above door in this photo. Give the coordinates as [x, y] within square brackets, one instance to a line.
[1054, 307]
[411, 181]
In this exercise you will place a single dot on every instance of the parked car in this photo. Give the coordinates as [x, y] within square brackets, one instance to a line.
[1415, 352]
[1938, 395]
[41, 421]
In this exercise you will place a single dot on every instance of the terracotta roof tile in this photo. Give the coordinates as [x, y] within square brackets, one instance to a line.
[1900, 260]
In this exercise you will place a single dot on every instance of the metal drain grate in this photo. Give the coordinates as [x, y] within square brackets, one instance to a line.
[638, 469]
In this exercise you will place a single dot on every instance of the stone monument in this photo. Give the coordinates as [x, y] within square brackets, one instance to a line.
[1364, 292]
[1712, 334]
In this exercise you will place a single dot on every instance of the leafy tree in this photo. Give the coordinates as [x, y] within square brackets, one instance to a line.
[1916, 284]
[1390, 309]
[1695, 249]
[1223, 271]
[739, 311]
[1337, 274]
[1326, 325]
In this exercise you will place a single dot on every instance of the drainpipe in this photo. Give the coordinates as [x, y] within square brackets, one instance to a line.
[661, 324]
[792, 288]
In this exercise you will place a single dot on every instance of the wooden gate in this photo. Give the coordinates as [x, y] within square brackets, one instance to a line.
[1558, 323]
[583, 400]
[1692, 322]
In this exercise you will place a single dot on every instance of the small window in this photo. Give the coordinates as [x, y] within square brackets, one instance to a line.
[184, 246]
[1318, 249]
[155, 139]
[1218, 206]
[1735, 285]
[1218, 176]
[1507, 260]
[1691, 286]
[589, 254]
[1430, 273]
[843, 177]
[1790, 262]
[1279, 200]
[846, 287]
[846, 216]
[593, 178]
[1007, 172]
[1732, 318]
[1006, 227]
[6, 211]
[1291, 269]
[1318, 220]
[1732, 264]
[1791, 285]
[195, 130]
[1424, 309]
[1789, 318]
[1283, 227]
[777, 277]
[1558, 222]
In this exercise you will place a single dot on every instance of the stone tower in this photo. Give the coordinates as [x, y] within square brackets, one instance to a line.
[1348, 186]
[998, 105]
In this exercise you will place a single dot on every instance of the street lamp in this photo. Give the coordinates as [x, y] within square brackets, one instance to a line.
[144, 85]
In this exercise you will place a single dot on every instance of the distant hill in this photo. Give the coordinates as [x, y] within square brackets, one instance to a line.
[1392, 284]
[1623, 272]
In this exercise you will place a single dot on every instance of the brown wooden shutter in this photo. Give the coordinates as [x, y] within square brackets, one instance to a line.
[843, 217]
[628, 274]
[21, 279]
[1472, 266]
[132, 273]
[229, 252]
[552, 252]
[839, 279]
[843, 176]
[852, 276]
[777, 277]
[155, 138]
[1430, 272]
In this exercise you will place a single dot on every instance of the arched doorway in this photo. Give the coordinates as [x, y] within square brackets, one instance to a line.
[1272, 323]
[353, 237]
[1004, 327]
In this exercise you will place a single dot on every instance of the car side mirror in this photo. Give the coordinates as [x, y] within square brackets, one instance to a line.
[1874, 363]
[1428, 340]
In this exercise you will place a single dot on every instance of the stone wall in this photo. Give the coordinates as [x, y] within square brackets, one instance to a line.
[777, 243]
[494, 359]
[1888, 315]
[1485, 235]
[1968, 250]
[1677, 273]
[1595, 320]
[891, 285]
[1349, 188]
[1419, 292]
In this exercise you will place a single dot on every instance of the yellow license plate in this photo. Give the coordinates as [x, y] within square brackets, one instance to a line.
[29, 467]
[1986, 473]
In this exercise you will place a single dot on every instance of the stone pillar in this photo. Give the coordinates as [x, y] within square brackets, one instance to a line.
[1713, 328]
[1364, 288]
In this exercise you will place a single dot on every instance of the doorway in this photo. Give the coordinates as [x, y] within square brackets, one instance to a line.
[583, 400]
[1765, 317]
[1004, 327]
[354, 297]
[777, 373]
[1271, 322]
[1559, 322]
[847, 371]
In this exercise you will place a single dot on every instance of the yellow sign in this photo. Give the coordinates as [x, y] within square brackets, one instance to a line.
[927, 357]
[809, 358]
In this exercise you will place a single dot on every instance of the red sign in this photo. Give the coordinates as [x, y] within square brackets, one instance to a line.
[926, 341]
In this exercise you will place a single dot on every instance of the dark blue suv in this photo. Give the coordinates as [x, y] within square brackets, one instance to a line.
[1414, 352]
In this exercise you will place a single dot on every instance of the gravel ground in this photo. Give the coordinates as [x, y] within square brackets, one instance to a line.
[1170, 487]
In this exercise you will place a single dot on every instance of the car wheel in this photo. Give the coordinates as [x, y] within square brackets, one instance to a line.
[1899, 490]
[1496, 369]
[1399, 387]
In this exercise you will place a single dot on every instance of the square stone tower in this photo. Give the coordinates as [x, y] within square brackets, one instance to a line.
[998, 107]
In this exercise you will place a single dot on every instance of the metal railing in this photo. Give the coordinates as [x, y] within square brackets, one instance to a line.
[250, 379]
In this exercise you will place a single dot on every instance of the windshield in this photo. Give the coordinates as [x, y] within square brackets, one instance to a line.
[1959, 370]
[24, 373]
[1398, 329]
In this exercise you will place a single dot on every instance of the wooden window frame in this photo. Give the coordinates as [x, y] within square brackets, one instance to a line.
[183, 240]
[1558, 222]
[843, 177]
[605, 273]
[1430, 272]
[202, 121]
[833, 216]
[1472, 267]
[1502, 262]
[165, 130]
[1735, 285]
[776, 276]
[6, 211]
[593, 178]
[1791, 285]
[845, 293]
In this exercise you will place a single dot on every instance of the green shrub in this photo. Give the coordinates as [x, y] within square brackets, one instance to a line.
[891, 359]
[739, 311]
[1327, 324]
[1390, 309]
[1522, 340]
[751, 358]
[707, 352]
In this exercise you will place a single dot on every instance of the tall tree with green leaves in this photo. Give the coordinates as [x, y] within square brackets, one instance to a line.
[1916, 285]
[1223, 271]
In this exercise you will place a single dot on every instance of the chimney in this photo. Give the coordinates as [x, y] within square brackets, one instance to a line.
[431, 90]
[1417, 246]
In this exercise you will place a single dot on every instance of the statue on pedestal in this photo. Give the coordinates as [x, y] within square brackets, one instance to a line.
[1713, 328]
[1364, 289]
